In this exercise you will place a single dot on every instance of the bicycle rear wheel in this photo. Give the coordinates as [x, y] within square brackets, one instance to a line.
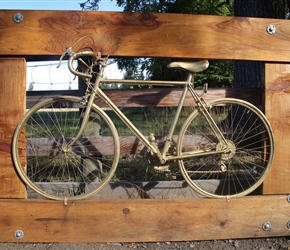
[246, 163]
[50, 168]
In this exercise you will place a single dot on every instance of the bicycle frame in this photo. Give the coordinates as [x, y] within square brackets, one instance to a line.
[150, 142]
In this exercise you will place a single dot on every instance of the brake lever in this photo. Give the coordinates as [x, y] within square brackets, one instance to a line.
[69, 52]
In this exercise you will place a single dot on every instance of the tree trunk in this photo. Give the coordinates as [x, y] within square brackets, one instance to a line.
[249, 74]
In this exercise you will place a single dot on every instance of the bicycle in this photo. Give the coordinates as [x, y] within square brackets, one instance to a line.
[68, 148]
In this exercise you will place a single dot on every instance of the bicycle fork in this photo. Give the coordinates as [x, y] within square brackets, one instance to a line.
[86, 116]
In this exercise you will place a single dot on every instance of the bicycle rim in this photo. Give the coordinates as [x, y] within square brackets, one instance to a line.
[50, 168]
[243, 166]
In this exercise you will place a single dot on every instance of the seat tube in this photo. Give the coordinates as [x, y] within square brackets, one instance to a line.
[175, 118]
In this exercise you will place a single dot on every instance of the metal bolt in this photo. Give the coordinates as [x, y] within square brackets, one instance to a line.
[18, 17]
[288, 224]
[288, 198]
[18, 234]
[266, 226]
[126, 210]
[271, 29]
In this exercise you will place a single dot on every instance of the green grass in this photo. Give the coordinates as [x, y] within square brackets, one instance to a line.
[130, 167]
[148, 120]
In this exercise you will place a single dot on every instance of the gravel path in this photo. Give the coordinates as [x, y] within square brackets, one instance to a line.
[255, 244]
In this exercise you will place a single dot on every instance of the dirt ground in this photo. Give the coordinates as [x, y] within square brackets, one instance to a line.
[255, 244]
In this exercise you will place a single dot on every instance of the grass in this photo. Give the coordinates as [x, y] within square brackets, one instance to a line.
[148, 120]
[130, 167]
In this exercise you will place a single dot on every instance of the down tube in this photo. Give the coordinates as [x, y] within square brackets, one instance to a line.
[128, 123]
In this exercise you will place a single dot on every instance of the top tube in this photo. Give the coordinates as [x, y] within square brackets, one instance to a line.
[145, 82]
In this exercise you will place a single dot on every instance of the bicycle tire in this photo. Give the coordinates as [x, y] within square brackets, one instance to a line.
[244, 167]
[48, 167]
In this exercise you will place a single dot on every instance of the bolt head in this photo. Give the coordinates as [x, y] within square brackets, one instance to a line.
[18, 17]
[18, 234]
[271, 29]
[266, 226]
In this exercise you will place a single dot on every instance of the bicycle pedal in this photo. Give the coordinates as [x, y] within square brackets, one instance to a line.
[161, 169]
[170, 176]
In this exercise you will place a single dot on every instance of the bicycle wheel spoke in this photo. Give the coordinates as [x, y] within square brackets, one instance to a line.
[247, 153]
[53, 169]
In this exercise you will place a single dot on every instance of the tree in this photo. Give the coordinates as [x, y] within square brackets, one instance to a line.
[90, 5]
[212, 7]
[251, 74]
[220, 73]
[30, 87]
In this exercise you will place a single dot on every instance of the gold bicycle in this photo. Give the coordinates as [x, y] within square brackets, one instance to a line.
[224, 148]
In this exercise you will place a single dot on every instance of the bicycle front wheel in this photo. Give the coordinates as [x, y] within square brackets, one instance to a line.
[247, 155]
[50, 167]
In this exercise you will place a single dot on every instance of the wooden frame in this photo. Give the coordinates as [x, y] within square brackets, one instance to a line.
[144, 220]
[47, 33]
[145, 35]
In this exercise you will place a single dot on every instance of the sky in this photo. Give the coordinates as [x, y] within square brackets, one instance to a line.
[45, 75]
[105, 5]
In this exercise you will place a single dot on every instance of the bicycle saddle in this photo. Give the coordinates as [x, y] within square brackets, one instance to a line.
[193, 67]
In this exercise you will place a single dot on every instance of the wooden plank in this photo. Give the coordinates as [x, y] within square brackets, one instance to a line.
[159, 97]
[145, 35]
[135, 190]
[142, 220]
[12, 96]
[100, 145]
[103, 145]
[277, 109]
[139, 190]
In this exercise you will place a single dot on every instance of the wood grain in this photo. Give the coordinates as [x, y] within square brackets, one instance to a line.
[145, 35]
[144, 220]
[277, 110]
[48, 33]
[12, 96]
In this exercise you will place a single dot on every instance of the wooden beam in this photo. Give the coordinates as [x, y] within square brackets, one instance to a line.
[102, 145]
[12, 96]
[145, 35]
[135, 190]
[277, 109]
[157, 97]
[140, 190]
[142, 220]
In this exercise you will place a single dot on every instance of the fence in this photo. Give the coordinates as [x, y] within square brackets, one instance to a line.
[45, 34]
